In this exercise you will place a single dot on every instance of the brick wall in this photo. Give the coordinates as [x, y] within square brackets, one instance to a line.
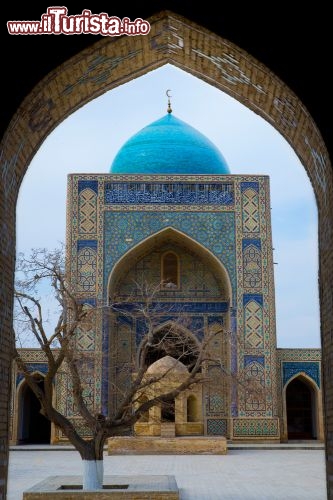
[110, 63]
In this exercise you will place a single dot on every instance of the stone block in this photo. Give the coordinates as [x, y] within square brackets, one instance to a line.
[143, 487]
[142, 445]
[168, 429]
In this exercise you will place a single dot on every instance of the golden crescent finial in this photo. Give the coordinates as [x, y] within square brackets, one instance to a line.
[169, 102]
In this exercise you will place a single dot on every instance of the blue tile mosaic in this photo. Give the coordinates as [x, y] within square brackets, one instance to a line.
[86, 244]
[257, 297]
[215, 231]
[33, 367]
[289, 369]
[249, 359]
[93, 185]
[249, 185]
[91, 302]
[216, 427]
[249, 241]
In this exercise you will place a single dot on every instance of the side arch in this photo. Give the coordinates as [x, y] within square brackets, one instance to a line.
[299, 414]
[31, 427]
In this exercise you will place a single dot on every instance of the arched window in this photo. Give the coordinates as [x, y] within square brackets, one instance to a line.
[192, 409]
[170, 270]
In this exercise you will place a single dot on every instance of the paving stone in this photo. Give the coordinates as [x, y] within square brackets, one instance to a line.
[243, 474]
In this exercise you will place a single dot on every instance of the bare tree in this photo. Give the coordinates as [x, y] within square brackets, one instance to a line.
[60, 352]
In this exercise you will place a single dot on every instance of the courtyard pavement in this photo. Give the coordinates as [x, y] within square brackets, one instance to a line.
[272, 472]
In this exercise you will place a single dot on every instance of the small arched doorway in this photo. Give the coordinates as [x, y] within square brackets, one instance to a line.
[301, 410]
[192, 412]
[33, 427]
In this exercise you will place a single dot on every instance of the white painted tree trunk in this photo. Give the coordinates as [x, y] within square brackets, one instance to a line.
[93, 471]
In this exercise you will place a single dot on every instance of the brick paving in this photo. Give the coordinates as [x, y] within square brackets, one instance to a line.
[271, 472]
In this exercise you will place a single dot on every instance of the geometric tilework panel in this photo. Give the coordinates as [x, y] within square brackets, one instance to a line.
[312, 369]
[86, 244]
[252, 266]
[197, 280]
[250, 212]
[216, 231]
[61, 391]
[85, 332]
[259, 427]
[253, 324]
[257, 297]
[80, 426]
[251, 241]
[255, 377]
[194, 323]
[215, 403]
[301, 354]
[217, 393]
[253, 185]
[87, 211]
[87, 184]
[85, 339]
[86, 269]
[217, 427]
[66, 399]
[249, 359]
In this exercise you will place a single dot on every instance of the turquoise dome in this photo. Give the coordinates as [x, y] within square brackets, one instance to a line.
[169, 146]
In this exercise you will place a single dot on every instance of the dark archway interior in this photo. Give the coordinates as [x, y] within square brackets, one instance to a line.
[168, 411]
[34, 427]
[170, 342]
[300, 410]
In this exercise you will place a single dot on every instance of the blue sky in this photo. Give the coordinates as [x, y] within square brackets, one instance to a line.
[88, 140]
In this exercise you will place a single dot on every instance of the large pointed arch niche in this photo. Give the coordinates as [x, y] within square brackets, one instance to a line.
[166, 241]
[197, 307]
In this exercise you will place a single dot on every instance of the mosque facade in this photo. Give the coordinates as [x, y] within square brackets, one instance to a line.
[171, 213]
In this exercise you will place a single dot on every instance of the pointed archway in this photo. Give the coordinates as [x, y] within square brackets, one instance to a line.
[171, 339]
[301, 409]
[33, 427]
[178, 317]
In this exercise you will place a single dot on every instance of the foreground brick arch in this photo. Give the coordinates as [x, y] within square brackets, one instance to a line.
[114, 61]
